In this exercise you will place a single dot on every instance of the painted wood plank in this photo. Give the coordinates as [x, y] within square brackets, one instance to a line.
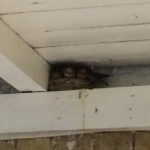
[80, 18]
[115, 108]
[105, 53]
[15, 6]
[88, 36]
[43, 114]
[20, 65]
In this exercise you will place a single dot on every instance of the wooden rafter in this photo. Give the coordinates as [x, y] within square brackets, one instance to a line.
[20, 65]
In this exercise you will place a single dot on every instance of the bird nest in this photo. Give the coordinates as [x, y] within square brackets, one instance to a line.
[73, 76]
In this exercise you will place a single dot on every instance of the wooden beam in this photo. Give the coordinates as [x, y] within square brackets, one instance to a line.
[20, 65]
[59, 113]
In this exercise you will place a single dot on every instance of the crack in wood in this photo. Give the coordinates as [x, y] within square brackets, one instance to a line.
[94, 43]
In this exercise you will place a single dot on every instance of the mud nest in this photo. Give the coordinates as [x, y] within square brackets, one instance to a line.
[73, 76]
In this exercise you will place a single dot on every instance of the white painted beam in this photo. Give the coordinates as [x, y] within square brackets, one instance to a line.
[59, 113]
[15, 6]
[20, 65]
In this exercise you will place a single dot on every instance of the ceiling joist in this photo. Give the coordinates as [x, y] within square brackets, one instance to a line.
[20, 65]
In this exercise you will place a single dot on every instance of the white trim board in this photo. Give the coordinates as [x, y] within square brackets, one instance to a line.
[15, 6]
[79, 18]
[55, 113]
[20, 65]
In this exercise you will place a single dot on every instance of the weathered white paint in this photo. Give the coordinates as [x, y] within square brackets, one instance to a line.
[79, 18]
[20, 65]
[40, 113]
[15, 6]
[105, 53]
[56, 113]
[127, 108]
[88, 36]
[121, 23]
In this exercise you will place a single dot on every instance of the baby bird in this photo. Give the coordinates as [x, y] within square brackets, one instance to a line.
[72, 76]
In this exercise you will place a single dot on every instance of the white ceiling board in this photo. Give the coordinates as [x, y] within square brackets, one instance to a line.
[16, 6]
[88, 36]
[106, 53]
[81, 18]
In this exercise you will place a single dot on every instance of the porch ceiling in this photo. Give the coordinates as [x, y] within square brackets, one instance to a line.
[96, 27]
